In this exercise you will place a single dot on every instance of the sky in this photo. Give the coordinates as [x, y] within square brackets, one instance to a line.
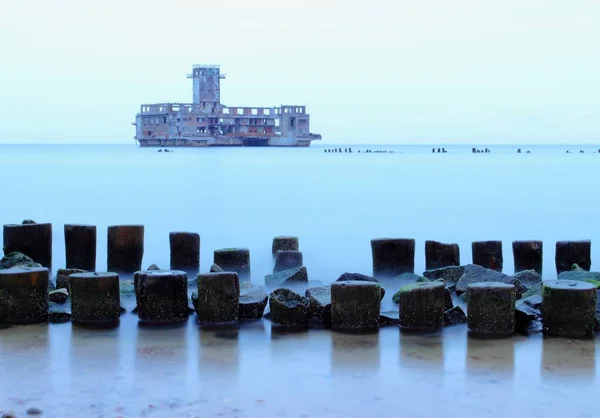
[378, 71]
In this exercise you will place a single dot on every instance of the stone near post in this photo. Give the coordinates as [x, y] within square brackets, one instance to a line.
[491, 308]
[285, 243]
[24, 295]
[422, 306]
[488, 254]
[80, 247]
[235, 260]
[439, 255]
[161, 296]
[125, 248]
[568, 308]
[288, 309]
[33, 240]
[95, 298]
[573, 252]
[393, 256]
[285, 260]
[528, 255]
[218, 298]
[185, 252]
[355, 306]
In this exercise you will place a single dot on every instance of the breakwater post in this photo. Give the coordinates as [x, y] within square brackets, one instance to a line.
[528, 255]
[355, 305]
[568, 308]
[125, 248]
[285, 243]
[488, 254]
[236, 260]
[30, 238]
[218, 298]
[80, 247]
[439, 254]
[422, 306]
[161, 296]
[573, 252]
[185, 252]
[24, 295]
[95, 298]
[393, 256]
[491, 308]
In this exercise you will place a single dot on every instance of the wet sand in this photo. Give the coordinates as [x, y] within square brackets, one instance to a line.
[134, 371]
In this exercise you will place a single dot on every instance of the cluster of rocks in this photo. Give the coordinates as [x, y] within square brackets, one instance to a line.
[338, 150]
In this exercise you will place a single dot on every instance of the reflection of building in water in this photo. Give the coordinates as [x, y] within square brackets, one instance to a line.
[562, 357]
[355, 353]
[490, 354]
[422, 350]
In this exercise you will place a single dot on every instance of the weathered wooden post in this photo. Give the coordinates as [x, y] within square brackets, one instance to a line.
[439, 254]
[491, 308]
[95, 298]
[392, 257]
[528, 255]
[32, 239]
[218, 298]
[568, 308]
[573, 252]
[80, 246]
[161, 296]
[355, 305]
[125, 248]
[422, 306]
[285, 260]
[24, 295]
[185, 252]
[285, 243]
[236, 260]
[488, 254]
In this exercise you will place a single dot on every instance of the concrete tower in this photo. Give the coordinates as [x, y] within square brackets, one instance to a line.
[207, 83]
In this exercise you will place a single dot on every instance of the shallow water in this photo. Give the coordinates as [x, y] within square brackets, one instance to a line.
[335, 204]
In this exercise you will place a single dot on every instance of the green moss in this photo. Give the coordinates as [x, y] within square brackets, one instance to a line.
[592, 281]
[423, 280]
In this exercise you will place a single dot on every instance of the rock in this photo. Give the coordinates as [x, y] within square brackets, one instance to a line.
[359, 278]
[252, 304]
[80, 247]
[450, 275]
[236, 260]
[285, 243]
[34, 411]
[355, 305]
[125, 248]
[33, 240]
[95, 298]
[421, 306]
[122, 310]
[247, 285]
[285, 260]
[389, 318]
[162, 296]
[448, 303]
[28, 222]
[288, 309]
[454, 316]
[573, 252]
[581, 276]
[319, 309]
[24, 295]
[536, 289]
[423, 280]
[153, 267]
[126, 288]
[528, 278]
[438, 255]
[51, 286]
[491, 307]
[62, 277]
[287, 277]
[488, 254]
[185, 252]
[218, 298]
[528, 310]
[135, 309]
[528, 255]
[568, 308]
[478, 274]
[194, 298]
[215, 269]
[58, 314]
[392, 256]
[17, 259]
[58, 296]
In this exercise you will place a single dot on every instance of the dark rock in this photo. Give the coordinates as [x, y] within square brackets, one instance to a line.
[528, 310]
[235, 260]
[285, 243]
[215, 268]
[135, 310]
[389, 318]
[534, 290]
[153, 267]
[34, 411]
[252, 304]
[450, 275]
[319, 309]
[573, 252]
[80, 247]
[491, 307]
[15, 258]
[581, 276]
[528, 278]
[28, 222]
[58, 296]
[448, 303]
[24, 295]
[488, 254]
[478, 274]
[438, 255]
[355, 305]
[185, 252]
[58, 314]
[287, 277]
[51, 286]
[33, 240]
[422, 280]
[285, 260]
[359, 278]
[125, 248]
[454, 316]
[528, 255]
[62, 277]
[392, 257]
[194, 298]
[288, 308]
[218, 298]
[122, 310]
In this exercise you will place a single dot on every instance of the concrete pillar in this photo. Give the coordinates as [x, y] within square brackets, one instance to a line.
[218, 298]
[528, 255]
[491, 308]
[80, 247]
[488, 254]
[185, 252]
[24, 295]
[573, 252]
[125, 248]
[236, 260]
[288, 309]
[392, 257]
[285, 243]
[422, 306]
[95, 298]
[33, 240]
[438, 255]
[568, 308]
[161, 296]
[285, 260]
[355, 306]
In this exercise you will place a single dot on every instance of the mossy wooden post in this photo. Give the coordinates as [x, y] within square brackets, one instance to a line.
[488, 254]
[24, 295]
[528, 255]
[285, 260]
[439, 255]
[285, 243]
[95, 298]
[125, 248]
[355, 306]
[288, 309]
[218, 298]
[185, 252]
[422, 306]
[491, 308]
[573, 252]
[33, 240]
[80, 247]
[235, 260]
[393, 256]
[568, 308]
[161, 296]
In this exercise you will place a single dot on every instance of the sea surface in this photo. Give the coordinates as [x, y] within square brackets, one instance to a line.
[336, 203]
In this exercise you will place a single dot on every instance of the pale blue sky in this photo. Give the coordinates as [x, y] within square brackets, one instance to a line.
[424, 71]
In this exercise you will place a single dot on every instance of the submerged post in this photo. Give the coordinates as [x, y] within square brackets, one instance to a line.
[80, 247]
[185, 252]
[393, 256]
[32, 239]
[125, 248]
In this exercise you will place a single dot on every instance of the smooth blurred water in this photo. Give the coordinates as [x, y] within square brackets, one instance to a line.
[335, 203]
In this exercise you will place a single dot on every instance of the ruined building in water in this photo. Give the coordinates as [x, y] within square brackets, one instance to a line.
[207, 122]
